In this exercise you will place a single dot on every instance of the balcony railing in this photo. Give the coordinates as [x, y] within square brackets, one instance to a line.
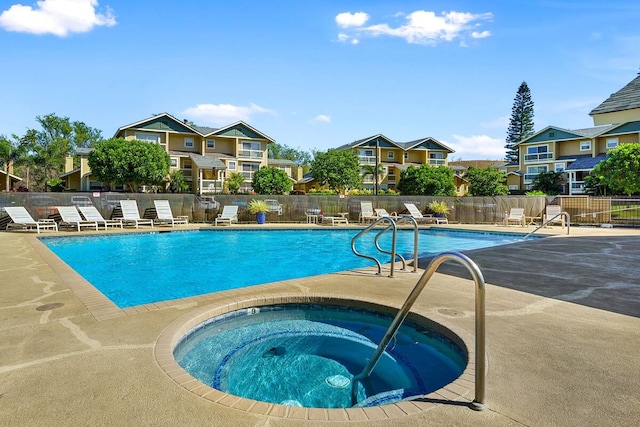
[367, 160]
[538, 157]
[251, 154]
[211, 186]
[187, 173]
[248, 176]
[437, 162]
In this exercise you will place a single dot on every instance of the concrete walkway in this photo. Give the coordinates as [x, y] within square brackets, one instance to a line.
[563, 341]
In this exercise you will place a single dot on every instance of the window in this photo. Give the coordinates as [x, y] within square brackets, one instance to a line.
[390, 155]
[533, 171]
[559, 167]
[188, 142]
[514, 187]
[537, 153]
[436, 155]
[149, 137]
[231, 164]
[174, 162]
[585, 145]
[612, 143]
[537, 150]
[366, 153]
[251, 146]
[211, 143]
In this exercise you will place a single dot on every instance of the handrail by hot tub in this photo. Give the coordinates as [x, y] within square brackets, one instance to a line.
[478, 403]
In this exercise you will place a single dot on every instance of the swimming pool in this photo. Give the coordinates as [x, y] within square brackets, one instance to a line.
[142, 268]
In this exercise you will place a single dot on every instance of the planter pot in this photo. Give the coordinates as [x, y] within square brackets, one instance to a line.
[261, 217]
[439, 215]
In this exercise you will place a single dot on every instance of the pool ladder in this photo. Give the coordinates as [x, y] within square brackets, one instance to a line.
[478, 403]
[392, 225]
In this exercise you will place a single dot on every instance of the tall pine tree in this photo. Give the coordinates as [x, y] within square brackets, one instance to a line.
[521, 123]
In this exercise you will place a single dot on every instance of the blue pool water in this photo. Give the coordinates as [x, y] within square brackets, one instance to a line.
[307, 355]
[134, 269]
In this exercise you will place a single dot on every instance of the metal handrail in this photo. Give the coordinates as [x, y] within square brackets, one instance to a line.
[415, 241]
[392, 224]
[550, 220]
[478, 403]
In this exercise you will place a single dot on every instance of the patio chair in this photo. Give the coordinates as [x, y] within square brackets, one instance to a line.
[229, 215]
[165, 216]
[415, 213]
[131, 215]
[552, 214]
[516, 215]
[381, 213]
[71, 218]
[366, 212]
[90, 213]
[21, 219]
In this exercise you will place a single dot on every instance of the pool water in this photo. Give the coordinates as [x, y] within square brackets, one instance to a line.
[307, 355]
[134, 269]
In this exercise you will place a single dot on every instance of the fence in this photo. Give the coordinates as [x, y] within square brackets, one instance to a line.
[465, 210]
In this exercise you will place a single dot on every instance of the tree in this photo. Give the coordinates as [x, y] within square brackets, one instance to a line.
[234, 182]
[177, 182]
[548, 183]
[486, 182]
[340, 169]
[57, 138]
[280, 151]
[620, 171]
[521, 123]
[427, 180]
[270, 180]
[12, 152]
[131, 163]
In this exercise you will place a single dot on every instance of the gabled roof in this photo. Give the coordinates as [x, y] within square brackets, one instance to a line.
[555, 133]
[280, 162]
[183, 126]
[626, 98]
[383, 141]
[207, 162]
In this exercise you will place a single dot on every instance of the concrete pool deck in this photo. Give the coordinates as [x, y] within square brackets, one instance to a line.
[563, 339]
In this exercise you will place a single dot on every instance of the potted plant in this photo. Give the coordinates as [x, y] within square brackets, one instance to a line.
[439, 208]
[260, 209]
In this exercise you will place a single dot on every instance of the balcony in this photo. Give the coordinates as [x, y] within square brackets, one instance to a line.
[437, 162]
[256, 155]
[211, 186]
[538, 157]
[248, 176]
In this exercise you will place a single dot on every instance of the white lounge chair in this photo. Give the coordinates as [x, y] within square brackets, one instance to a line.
[131, 215]
[229, 215]
[90, 213]
[516, 215]
[552, 214]
[415, 213]
[366, 212]
[71, 217]
[22, 220]
[165, 215]
[381, 213]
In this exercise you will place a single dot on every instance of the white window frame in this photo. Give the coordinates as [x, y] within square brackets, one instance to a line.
[147, 137]
[253, 146]
[211, 144]
[585, 145]
[612, 143]
[366, 153]
[189, 142]
[559, 167]
[391, 155]
[514, 187]
[175, 162]
[231, 165]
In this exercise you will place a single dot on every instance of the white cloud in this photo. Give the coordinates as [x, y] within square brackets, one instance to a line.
[477, 147]
[322, 118]
[345, 38]
[347, 19]
[58, 17]
[425, 27]
[223, 114]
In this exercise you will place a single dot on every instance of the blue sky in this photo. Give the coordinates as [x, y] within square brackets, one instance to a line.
[317, 74]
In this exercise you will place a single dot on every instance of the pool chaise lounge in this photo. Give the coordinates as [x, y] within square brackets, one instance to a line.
[90, 213]
[229, 215]
[165, 215]
[22, 220]
[419, 217]
[71, 218]
[131, 215]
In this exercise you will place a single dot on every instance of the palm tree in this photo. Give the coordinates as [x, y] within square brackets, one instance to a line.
[12, 153]
[376, 172]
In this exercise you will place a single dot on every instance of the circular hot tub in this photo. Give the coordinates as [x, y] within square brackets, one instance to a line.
[307, 354]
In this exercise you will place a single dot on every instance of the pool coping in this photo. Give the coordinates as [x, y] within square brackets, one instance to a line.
[460, 390]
